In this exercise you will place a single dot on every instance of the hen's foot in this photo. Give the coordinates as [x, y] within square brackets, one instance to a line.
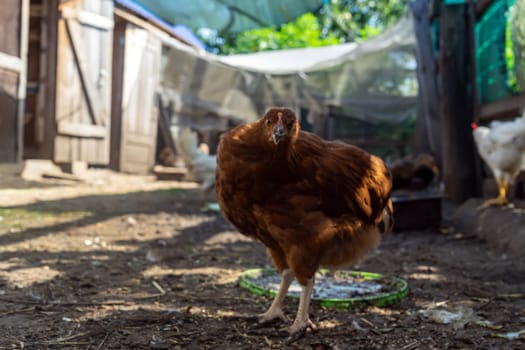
[298, 329]
[495, 202]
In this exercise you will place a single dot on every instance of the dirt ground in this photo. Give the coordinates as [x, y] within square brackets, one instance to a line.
[123, 262]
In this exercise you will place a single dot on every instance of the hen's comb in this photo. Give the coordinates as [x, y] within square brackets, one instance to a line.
[474, 126]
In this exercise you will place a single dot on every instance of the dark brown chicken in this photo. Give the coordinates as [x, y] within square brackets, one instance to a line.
[311, 202]
[414, 172]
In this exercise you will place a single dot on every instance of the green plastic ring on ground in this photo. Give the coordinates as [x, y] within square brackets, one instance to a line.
[399, 293]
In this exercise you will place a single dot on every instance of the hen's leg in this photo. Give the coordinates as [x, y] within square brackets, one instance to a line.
[276, 309]
[302, 319]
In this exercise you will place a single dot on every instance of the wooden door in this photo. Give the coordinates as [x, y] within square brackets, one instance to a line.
[13, 50]
[135, 114]
[83, 81]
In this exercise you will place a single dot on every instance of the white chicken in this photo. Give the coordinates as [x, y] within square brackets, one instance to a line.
[201, 166]
[502, 147]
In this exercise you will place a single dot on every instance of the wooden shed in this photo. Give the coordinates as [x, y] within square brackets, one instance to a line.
[13, 50]
[139, 43]
[137, 54]
[93, 71]
[69, 81]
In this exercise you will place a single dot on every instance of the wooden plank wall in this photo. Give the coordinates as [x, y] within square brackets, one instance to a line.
[8, 115]
[40, 126]
[10, 68]
[141, 76]
[10, 27]
[137, 53]
[84, 82]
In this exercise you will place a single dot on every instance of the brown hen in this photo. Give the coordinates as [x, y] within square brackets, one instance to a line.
[312, 203]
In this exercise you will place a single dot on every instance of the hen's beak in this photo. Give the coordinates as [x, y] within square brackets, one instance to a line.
[277, 135]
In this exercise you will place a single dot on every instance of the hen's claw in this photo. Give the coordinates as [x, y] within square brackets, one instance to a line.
[297, 330]
[301, 327]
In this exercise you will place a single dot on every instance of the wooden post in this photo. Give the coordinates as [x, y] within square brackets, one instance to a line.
[119, 34]
[457, 102]
[22, 79]
[428, 137]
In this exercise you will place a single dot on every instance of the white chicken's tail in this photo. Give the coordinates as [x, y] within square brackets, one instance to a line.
[187, 144]
[201, 166]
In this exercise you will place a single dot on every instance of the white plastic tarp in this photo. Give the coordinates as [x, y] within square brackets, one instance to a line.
[374, 80]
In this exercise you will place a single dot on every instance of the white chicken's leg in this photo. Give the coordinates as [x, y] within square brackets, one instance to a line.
[502, 193]
[276, 309]
[302, 319]
[501, 199]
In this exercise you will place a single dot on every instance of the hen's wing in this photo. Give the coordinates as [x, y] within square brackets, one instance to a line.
[347, 179]
[321, 185]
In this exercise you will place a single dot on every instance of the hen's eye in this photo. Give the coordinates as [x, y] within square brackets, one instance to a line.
[268, 122]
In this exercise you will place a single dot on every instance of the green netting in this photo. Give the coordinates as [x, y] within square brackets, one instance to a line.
[387, 140]
[494, 53]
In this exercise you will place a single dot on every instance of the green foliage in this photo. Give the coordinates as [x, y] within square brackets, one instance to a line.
[360, 19]
[509, 57]
[368, 32]
[304, 32]
[337, 22]
[515, 46]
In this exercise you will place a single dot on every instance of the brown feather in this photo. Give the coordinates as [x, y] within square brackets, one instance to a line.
[312, 202]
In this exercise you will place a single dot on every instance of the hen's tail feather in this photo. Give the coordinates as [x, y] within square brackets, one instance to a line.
[387, 220]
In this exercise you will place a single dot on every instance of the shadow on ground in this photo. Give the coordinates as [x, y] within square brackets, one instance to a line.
[156, 270]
